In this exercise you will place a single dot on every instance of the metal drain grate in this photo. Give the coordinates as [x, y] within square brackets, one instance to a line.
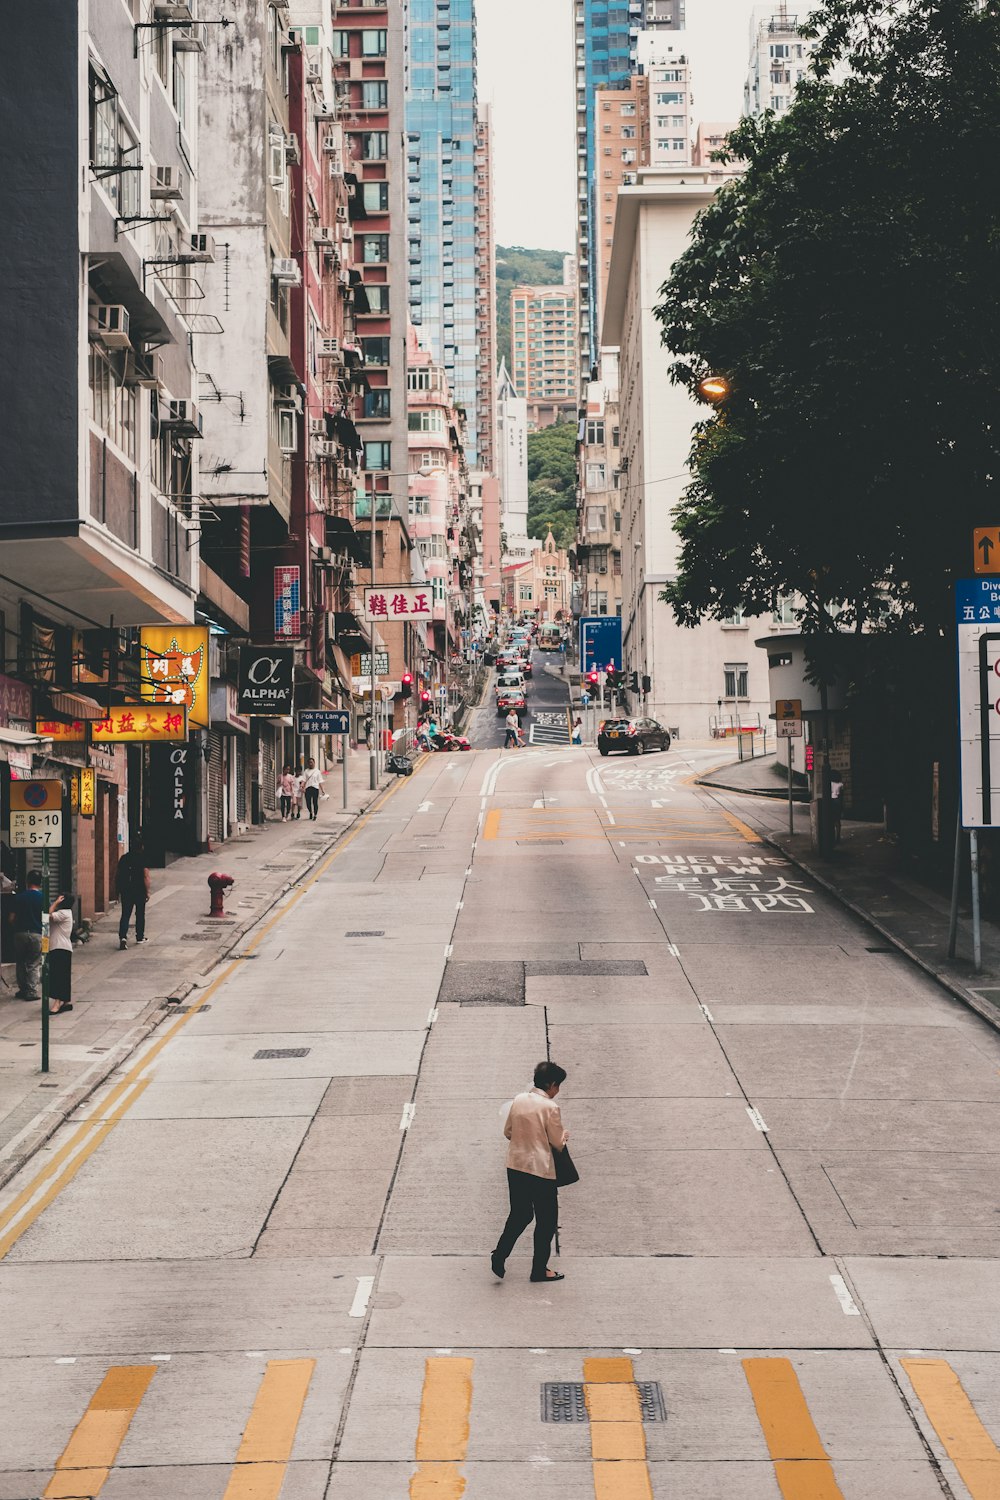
[564, 1401]
[181, 1010]
[365, 934]
[197, 937]
[269, 1052]
[532, 843]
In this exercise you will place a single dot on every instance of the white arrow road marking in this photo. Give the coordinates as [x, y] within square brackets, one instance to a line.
[425, 807]
[360, 1304]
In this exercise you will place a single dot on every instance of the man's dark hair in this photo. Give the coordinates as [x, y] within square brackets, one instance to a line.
[34, 879]
[548, 1073]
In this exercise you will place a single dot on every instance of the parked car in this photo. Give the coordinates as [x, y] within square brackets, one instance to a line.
[511, 698]
[632, 736]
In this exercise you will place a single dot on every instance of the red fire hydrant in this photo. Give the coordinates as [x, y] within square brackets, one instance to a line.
[218, 884]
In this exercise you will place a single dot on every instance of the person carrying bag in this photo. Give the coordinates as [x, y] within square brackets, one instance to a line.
[537, 1161]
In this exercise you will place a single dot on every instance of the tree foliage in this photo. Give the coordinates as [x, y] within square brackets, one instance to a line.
[846, 286]
[552, 482]
[519, 266]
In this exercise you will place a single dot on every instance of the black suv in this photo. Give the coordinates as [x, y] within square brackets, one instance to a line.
[633, 736]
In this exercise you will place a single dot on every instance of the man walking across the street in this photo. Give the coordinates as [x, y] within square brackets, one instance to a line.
[513, 735]
[26, 916]
[535, 1129]
[132, 884]
[313, 783]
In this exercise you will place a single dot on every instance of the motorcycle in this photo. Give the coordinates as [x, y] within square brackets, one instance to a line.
[453, 742]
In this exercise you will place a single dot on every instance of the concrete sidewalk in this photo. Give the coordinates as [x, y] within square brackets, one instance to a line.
[119, 998]
[871, 877]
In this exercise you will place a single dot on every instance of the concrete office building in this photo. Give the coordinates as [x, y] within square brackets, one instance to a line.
[543, 341]
[778, 59]
[512, 468]
[691, 670]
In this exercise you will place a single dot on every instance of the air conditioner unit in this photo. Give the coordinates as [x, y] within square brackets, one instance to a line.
[341, 213]
[314, 70]
[289, 396]
[333, 142]
[327, 449]
[323, 235]
[188, 41]
[166, 183]
[172, 10]
[317, 427]
[292, 152]
[329, 349]
[286, 272]
[112, 327]
[346, 235]
[184, 417]
[202, 249]
[149, 370]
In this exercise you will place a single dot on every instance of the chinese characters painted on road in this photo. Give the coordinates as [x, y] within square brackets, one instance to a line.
[721, 883]
[174, 669]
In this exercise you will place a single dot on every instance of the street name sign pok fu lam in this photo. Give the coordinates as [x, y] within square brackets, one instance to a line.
[977, 611]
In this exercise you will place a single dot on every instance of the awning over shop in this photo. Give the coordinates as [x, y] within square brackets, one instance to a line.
[342, 537]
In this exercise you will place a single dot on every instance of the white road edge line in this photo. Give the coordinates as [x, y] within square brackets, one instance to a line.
[651, 902]
[706, 1012]
[673, 949]
[432, 1016]
[406, 1119]
[610, 816]
[847, 1303]
[360, 1304]
[447, 951]
[758, 1123]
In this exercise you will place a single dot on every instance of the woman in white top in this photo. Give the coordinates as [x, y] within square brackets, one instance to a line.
[313, 782]
[61, 954]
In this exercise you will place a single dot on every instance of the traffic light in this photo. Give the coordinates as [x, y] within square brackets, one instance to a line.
[425, 697]
[406, 689]
[593, 679]
[633, 682]
[612, 677]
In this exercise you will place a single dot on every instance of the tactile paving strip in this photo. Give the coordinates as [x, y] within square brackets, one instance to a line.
[564, 1401]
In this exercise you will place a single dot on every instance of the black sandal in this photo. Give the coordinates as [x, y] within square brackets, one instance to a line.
[549, 1276]
[58, 1010]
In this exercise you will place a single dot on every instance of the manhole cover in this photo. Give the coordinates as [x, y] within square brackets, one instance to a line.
[269, 1052]
[564, 1401]
[365, 934]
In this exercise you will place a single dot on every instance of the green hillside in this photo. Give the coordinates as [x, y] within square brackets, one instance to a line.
[552, 483]
[517, 266]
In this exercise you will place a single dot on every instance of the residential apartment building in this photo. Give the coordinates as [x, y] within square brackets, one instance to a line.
[671, 104]
[101, 423]
[543, 341]
[778, 59]
[512, 468]
[443, 179]
[711, 670]
[710, 136]
[484, 506]
[622, 115]
[598, 552]
[486, 297]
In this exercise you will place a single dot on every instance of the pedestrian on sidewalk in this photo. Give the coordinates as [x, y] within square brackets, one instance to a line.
[513, 736]
[132, 885]
[836, 801]
[286, 788]
[535, 1129]
[313, 783]
[577, 735]
[298, 786]
[61, 954]
[26, 919]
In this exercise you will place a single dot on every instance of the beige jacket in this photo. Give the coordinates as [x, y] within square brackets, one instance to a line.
[534, 1125]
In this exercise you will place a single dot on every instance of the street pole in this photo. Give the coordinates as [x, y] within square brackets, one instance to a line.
[977, 936]
[372, 749]
[791, 818]
[46, 902]
[345, 740]
[953, 915]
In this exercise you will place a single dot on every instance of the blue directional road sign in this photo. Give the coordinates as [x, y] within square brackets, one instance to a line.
[323, 721]
[600, 642]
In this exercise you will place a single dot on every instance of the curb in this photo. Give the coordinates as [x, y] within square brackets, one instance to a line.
[779, 793]
[45, 1124]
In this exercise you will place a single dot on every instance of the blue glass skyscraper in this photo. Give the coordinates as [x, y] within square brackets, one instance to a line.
[441, 190]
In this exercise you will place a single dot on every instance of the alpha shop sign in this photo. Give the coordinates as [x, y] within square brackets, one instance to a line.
[265, 685]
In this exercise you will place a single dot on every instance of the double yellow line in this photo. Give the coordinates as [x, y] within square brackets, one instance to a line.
[67, 1161]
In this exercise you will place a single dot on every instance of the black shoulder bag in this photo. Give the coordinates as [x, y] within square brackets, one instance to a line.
[566, 1173]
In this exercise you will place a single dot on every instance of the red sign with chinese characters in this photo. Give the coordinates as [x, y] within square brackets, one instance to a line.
[398, 601]
[55, 729]
[134, 724]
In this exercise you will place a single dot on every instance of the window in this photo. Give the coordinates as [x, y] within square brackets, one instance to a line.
[420, 505]
[596, 477]
[426, 421]
[737, 682]
[784, 614]
[374, 145]
[378, 298]
[628, 132]
[374, 248]
[618, 520]
[524, 593]
[437, 590]
[375, 351]
[114, 151]
[670, 98]
[377, 456]
[377, 403]
[340, 44]
[597, 518]
[628, 157]
[112, 406]
[373, 43]
[628, 109]
[595, 431]
[287, 428]
[779, 49]
[598, 561]
[374, 94]
[375, 197]
[433, 546]
[276, 167]
[418, 380]
[736, 618]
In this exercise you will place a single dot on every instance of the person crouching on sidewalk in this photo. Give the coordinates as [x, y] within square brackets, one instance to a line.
[535, 1129]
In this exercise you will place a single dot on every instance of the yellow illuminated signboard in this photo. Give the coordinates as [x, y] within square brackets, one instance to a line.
[135, 724]
[174, 669]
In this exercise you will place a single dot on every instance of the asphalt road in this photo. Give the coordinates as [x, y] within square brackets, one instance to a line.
[548, 701]
[259, 1261]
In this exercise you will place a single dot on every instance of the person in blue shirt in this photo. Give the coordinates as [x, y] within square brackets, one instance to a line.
[26, 918]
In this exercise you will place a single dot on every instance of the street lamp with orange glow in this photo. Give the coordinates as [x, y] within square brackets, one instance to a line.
[714, 388]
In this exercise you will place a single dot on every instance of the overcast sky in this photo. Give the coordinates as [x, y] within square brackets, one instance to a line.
[526, 69]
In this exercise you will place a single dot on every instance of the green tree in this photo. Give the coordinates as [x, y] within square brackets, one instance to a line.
[846, 286]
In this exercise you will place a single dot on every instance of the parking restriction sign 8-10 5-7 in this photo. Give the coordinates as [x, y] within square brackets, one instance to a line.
[36, 814]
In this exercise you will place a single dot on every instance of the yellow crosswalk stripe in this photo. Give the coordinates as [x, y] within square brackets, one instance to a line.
[443, 1433]
[268, 1437]
[801, 1465]
[85, 1462]
[617, 1439]
[954, 1419]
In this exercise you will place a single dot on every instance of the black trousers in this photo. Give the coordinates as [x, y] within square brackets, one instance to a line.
[130, 904]
[312, 800]
[531, 1198]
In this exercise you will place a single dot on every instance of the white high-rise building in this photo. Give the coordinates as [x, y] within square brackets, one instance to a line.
[512, 467]
[663, 59]
[778, 59]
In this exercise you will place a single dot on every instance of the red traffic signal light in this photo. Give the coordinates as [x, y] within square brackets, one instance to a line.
[407, 684]
[425, 696]
[593, 678]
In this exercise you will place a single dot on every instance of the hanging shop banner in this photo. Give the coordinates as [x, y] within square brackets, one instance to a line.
[172, 824]
[174, 668]
[131, 725]
[400, 601]
[287, 603]
[266, 680]
[55, 729]
[87, 792]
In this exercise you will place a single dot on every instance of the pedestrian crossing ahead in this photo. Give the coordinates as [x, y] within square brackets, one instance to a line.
[766, 1394]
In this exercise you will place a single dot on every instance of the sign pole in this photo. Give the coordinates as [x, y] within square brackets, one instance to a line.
[46, 902]
[977, 937]
[953, 915]
[344, 746]
[791, 816]
[372, 749]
